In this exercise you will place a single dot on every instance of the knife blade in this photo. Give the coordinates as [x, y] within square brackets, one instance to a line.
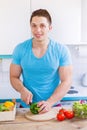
[30, 103]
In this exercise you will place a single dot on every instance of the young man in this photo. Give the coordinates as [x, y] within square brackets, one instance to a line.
[44, 64]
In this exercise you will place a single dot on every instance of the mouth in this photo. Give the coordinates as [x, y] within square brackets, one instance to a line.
[38, 35]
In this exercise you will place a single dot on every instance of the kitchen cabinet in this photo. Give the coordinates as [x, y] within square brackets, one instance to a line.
[84, 21]
[69, 21]
[14, 24]
[66, 17]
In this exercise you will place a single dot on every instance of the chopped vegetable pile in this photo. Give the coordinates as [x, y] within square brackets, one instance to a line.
[80, 109]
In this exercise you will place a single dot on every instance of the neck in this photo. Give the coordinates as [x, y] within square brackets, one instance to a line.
[40, 44]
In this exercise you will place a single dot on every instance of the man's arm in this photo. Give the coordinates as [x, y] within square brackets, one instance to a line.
[65, 73]
[15, 72]
[66, 80]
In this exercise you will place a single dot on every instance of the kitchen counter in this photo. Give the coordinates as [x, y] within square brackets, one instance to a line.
[22, 123]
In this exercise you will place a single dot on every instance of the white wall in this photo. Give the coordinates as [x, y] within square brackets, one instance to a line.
[84, 21]
[6, 90]
[66, 16]
[14, 23]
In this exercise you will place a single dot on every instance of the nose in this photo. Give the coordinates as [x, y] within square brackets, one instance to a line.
[38, 29]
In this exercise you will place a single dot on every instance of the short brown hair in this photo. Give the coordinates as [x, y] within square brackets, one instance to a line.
[43, 13]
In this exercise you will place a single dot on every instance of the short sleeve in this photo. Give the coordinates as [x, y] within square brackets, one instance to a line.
[65, 56]
[16, 56]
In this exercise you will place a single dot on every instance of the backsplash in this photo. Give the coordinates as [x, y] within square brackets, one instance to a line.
[6, 90]
[79, 59]
[79, 68]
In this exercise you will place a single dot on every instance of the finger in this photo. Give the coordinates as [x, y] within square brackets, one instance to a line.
[40, 103]
[29, 98]
[44, 110]
[42, 107]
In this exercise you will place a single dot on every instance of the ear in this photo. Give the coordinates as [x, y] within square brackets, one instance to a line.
[50, 27]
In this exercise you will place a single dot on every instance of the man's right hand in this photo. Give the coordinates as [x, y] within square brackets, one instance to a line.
[26, 95]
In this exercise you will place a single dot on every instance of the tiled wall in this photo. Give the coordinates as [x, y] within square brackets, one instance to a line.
[79, 68]
[79, 62]
[79, 58]
[6, 90]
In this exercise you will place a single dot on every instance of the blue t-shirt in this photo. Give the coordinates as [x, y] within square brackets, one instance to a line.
[40, 75]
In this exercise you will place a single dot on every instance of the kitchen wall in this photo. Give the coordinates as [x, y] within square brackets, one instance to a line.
[14, 21]
[6, 90]
[84, 20]
[79, 58]
[78, 89]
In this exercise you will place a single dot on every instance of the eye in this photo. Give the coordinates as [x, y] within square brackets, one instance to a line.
[33, 25]
[42, 26]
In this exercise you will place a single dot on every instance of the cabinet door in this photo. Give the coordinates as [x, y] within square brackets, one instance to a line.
[84, 21]
[14, 24]
[66, 17]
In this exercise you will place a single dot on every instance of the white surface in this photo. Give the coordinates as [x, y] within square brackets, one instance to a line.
[84, 80]
[14, 21]
[6, 65]
[84, 20]
[7, 92]
[82, 91]
[66, 17]
[8, 115]
[82, 51]
[14, 24]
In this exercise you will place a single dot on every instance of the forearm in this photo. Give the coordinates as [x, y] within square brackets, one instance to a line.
[26, 95]
[59, 93]
[17, 84]
[66, 80]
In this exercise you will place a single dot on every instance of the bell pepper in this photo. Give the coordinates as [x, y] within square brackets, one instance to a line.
[8, 104]
[3, 108]
[34, 108]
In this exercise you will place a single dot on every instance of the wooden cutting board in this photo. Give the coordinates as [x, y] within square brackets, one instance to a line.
[43, 117]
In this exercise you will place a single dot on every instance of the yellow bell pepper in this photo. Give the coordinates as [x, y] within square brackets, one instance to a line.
[8, 104]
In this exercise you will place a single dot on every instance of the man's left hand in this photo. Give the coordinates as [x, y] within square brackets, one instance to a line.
[44, 106]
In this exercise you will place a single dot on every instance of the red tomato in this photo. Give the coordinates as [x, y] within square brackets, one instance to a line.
[62, 110]
[60, 116]
[69, 114]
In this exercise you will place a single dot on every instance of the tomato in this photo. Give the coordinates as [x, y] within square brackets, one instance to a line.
[60, 116]
[69, 114]
[64, 113]
[62, 110]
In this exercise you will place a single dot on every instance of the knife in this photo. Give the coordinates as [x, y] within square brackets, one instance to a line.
[30, 103]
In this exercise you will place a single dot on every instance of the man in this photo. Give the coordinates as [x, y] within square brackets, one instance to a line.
[44, 64]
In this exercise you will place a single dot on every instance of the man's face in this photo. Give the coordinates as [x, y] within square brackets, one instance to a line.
[40, 28]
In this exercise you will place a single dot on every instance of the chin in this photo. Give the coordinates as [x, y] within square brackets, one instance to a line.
[39, 39]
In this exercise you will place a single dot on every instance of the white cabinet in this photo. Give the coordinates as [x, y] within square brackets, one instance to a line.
[14, 24]
[69, 21]
[66, 16]
[84, 21]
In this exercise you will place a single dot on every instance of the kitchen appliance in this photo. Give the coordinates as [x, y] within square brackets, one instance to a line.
[84, 80]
